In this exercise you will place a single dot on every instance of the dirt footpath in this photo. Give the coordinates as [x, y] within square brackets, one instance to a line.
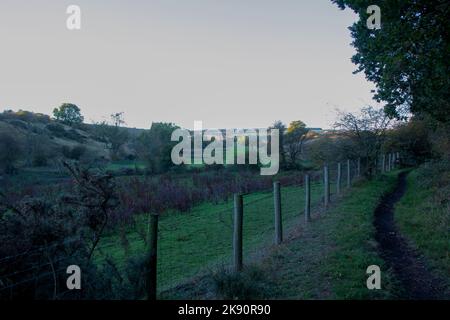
[415, 279]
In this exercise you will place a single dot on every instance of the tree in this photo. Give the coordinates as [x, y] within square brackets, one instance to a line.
[366, 131]
[65, 224]
[295, 137]
[282, 130]
[413, 139]
[112, 133]
[117, 119]
[408, 57]
[95, 194]
[155, 146]
[322, 150]
[69, 114]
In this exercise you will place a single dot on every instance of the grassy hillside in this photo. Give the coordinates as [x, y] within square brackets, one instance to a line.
[49, 138]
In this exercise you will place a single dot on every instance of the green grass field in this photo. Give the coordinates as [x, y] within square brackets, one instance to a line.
[125, 164]
[326, 259]
[329, 259]
[191, 242]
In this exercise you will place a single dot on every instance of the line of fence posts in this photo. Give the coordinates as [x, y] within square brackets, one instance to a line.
[278, 220]
[307, 199]
[237, 232]
[349, 176]
[153, 256]
[151, 278]
[277, 211]
[389, 161]
[326, 188]
[338, 181]
[238, 215]
[358, 168]
[392, 161]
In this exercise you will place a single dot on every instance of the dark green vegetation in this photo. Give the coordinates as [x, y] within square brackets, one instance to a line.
[408, 57]
[69, 114]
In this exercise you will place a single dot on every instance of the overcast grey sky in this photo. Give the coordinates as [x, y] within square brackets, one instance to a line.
[229, 63]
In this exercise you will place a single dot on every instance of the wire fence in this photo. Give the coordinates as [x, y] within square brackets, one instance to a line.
[188, 244]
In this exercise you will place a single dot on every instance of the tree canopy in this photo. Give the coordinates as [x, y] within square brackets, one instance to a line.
[68, 113]
[113, 134]
[296, 135]
[155, 145]
[408, 58]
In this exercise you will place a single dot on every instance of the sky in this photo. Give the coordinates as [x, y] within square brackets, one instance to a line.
[228, 63]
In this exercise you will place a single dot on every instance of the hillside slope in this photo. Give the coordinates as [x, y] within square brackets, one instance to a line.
[42, 140]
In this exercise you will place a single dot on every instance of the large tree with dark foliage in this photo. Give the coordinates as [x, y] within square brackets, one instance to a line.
[155, 146]
[69, 114]
[408, 58]
[296, 135]
[114, 136]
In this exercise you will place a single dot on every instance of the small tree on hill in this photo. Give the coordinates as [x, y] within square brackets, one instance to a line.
[113, 134]
[295, 137]
[69, 114]
[366, 131]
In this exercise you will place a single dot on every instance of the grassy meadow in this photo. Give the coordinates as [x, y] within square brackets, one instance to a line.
[191, 242]
[326, 259]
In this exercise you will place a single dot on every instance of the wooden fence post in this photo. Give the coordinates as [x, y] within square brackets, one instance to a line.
[277, 210]
[389, 161]
[358, 169]
[307, 199]
[152, 271]
[326, 182]
[338, 182]
[349, 178]
[237, 232]
[383, 164]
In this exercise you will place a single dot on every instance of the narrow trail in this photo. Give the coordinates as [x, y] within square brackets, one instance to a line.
[415, 279]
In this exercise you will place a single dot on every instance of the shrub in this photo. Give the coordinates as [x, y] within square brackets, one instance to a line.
[19, 124]
[26, 116]
[43, 233]
[40, 159]
[249, 284]
[11, 151]
[57, 129]
[77, 152]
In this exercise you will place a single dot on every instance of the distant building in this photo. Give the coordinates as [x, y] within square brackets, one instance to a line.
[317, 130]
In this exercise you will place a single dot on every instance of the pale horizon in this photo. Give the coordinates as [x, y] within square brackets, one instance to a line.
[230, 64]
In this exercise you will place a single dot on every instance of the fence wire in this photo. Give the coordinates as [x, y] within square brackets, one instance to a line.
[190, 243]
